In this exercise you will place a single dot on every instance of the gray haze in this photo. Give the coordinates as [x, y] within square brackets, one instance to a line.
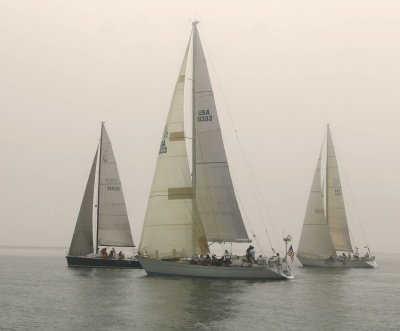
[281, 70]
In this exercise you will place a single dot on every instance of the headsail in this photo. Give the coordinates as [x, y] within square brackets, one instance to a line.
[337, 220]
[315, 239]
[172, 227]
[82, 240]
[215, 195]
[113, 223]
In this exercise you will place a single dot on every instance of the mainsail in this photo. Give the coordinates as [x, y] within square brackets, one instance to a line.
[172, 226]
[82, 240]
[325, 230]
[186, 210]
[215, 195]
[113, 224]
[337, 220]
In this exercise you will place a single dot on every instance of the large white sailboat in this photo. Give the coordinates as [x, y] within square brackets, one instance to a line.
[112, 224]
[325, 238]
[192, 200]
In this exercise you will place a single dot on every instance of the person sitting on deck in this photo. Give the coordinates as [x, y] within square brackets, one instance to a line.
[278, 259]
[121, 255]
[261, 260]
[112, 253]
[103, 253]
[356, 255]
[206, 260]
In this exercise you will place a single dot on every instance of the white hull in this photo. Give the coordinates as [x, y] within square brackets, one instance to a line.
[325, 263]
[176, 268]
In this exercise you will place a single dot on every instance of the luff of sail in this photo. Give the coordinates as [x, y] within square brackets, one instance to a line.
[215, 195]
[82, 240]
[336, 212]
[172, 226]
[113, 223]
[315, 239]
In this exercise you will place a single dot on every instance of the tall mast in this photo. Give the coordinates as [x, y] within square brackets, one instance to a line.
[326, 172]
[98, 189]
[194, 205]
[194, 34]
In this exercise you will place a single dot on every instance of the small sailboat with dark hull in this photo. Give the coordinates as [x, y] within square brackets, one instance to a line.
[111, 219]
[325, 239]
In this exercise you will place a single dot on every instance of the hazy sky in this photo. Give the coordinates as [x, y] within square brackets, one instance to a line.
[280, 70]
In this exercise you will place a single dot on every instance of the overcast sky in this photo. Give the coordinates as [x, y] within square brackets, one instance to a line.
[281, 70]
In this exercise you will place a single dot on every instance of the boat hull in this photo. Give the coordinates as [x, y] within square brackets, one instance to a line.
[95, 262]
[172, 268]
[325, 263]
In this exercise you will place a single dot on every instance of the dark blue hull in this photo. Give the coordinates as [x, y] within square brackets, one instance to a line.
[93, 262]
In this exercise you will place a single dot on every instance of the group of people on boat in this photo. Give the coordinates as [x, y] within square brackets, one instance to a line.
[226, 259]
[112, 254]
[212, 260]
[343, 258]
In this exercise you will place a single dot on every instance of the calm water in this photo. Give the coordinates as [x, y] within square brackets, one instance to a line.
[39, 292]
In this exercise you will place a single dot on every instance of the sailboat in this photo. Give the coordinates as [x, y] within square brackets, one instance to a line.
[192, 200]
[325, 238]
[112, 224]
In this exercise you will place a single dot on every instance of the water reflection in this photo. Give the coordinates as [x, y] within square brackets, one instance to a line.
[101, 297]
[190, 303]
[328, 297]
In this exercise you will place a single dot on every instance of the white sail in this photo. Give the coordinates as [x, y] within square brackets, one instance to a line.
[82, 240]
[172, 226]
[215, 195]
[315, 239]
[337, 220]
[113, 225]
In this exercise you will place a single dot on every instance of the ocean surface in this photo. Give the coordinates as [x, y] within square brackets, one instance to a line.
[39, 292]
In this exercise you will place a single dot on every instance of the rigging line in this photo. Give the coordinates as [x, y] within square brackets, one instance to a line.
[251, 228]
[259, 200]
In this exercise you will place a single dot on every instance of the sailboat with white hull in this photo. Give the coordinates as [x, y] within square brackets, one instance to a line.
[112, 224]
[192, 200]
[325, 238]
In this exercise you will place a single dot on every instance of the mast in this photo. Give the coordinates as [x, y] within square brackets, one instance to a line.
[194, 106]
[98, 189]
[194, 210]
[326, 174]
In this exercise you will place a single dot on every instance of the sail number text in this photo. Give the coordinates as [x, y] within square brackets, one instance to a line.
[163, 146]
[204, 116]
